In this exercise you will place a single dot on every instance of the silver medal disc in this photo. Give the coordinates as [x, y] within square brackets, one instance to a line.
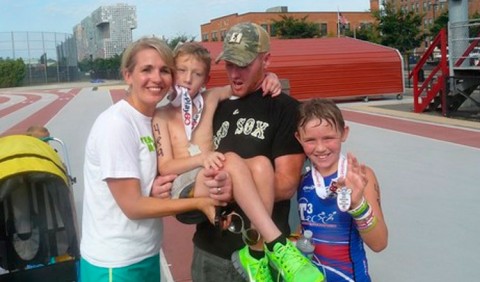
[344, 198]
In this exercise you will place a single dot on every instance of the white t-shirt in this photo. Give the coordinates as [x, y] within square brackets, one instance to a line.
[120, 145]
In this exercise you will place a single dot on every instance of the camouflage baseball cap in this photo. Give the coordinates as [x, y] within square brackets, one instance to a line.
[243, 42]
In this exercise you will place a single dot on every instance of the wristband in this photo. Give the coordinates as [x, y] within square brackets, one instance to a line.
[360, 209]
[369, 226]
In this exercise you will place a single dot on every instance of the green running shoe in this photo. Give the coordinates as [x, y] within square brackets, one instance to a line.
[292, 265]
[250, 268]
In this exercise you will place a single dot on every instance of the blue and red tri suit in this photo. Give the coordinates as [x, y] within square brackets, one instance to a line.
[339, 250]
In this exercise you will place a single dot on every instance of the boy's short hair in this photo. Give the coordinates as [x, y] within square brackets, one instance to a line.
[37, 131]
[196, 50]
[323, 110]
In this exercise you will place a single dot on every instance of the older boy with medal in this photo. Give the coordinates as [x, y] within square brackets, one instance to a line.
[338, 199]
[183, 128]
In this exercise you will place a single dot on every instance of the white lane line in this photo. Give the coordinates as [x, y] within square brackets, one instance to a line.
[164, 269]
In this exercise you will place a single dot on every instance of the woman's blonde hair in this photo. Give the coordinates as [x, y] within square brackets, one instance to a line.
[129, 55]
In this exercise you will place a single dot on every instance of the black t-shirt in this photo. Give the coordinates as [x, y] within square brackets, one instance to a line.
[251, 126]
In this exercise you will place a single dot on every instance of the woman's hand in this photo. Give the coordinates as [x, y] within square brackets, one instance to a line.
[162, 186]
[208, 206]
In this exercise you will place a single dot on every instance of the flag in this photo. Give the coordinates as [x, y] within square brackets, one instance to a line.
[342, 23]
[342, 19]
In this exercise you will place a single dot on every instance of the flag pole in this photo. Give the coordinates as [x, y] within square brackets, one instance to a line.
[338, 22]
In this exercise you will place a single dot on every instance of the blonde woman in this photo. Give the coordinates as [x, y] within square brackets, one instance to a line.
[122, 227]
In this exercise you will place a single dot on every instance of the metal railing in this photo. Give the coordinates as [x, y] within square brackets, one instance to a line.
[464, 48]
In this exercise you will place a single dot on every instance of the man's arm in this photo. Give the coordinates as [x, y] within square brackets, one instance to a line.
[219, 179]
[288, 172]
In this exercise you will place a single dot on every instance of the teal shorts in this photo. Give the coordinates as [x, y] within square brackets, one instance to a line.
[148, 270]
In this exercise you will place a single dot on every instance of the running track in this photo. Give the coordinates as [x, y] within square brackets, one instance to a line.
[42, 106]
[64, 96]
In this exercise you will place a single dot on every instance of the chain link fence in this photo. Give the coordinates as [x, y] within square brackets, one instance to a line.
[49, 57]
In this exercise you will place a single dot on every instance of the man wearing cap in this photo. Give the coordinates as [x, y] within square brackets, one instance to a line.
[250, 125]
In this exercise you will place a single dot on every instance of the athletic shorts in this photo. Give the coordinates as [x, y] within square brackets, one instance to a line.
[147, 270]
[208, 267]
[182, 186]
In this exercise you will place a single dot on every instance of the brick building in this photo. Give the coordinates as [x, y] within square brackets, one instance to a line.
[431, 8]
[328, 22]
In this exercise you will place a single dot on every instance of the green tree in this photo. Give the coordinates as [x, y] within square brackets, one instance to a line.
[442, 22]
[102, 68]
[439, 23]
[12, 72]
[112, 66]
[367, 32]
[289, 27]
[172, 43]
[85, 65]
[475, 30]
[399, 29]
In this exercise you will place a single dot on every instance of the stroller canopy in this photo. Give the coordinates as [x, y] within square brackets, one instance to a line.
[21, 154]
[38, 230]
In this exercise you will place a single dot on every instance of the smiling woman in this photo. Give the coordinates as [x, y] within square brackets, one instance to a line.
[148, 71]
[121, 229]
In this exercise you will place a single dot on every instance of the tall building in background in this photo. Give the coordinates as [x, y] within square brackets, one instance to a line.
[106, 32]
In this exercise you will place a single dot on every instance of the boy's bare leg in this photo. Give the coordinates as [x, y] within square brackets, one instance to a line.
[257, 204]
[263, 176]
[200, 189]
[248, 198]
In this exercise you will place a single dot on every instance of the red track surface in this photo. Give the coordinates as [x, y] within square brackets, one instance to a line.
[42, 116]
[437, 132]
[178, 248]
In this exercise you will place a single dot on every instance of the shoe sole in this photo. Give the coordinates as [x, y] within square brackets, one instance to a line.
[238, 266]
[191, 217]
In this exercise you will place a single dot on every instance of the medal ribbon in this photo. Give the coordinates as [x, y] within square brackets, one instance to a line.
[322, 191]
[190, 120]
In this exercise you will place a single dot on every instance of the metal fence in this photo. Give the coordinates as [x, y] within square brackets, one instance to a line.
[464, 43]
[49, 57]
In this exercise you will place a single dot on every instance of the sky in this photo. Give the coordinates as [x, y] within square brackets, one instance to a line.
[154, 17]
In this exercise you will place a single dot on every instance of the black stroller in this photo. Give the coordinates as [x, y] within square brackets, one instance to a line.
[38, 229]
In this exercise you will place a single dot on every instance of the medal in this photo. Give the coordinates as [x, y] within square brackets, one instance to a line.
[344, 198]
[333, 186]
[183, 99]
[321, 189]
[193, 150]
